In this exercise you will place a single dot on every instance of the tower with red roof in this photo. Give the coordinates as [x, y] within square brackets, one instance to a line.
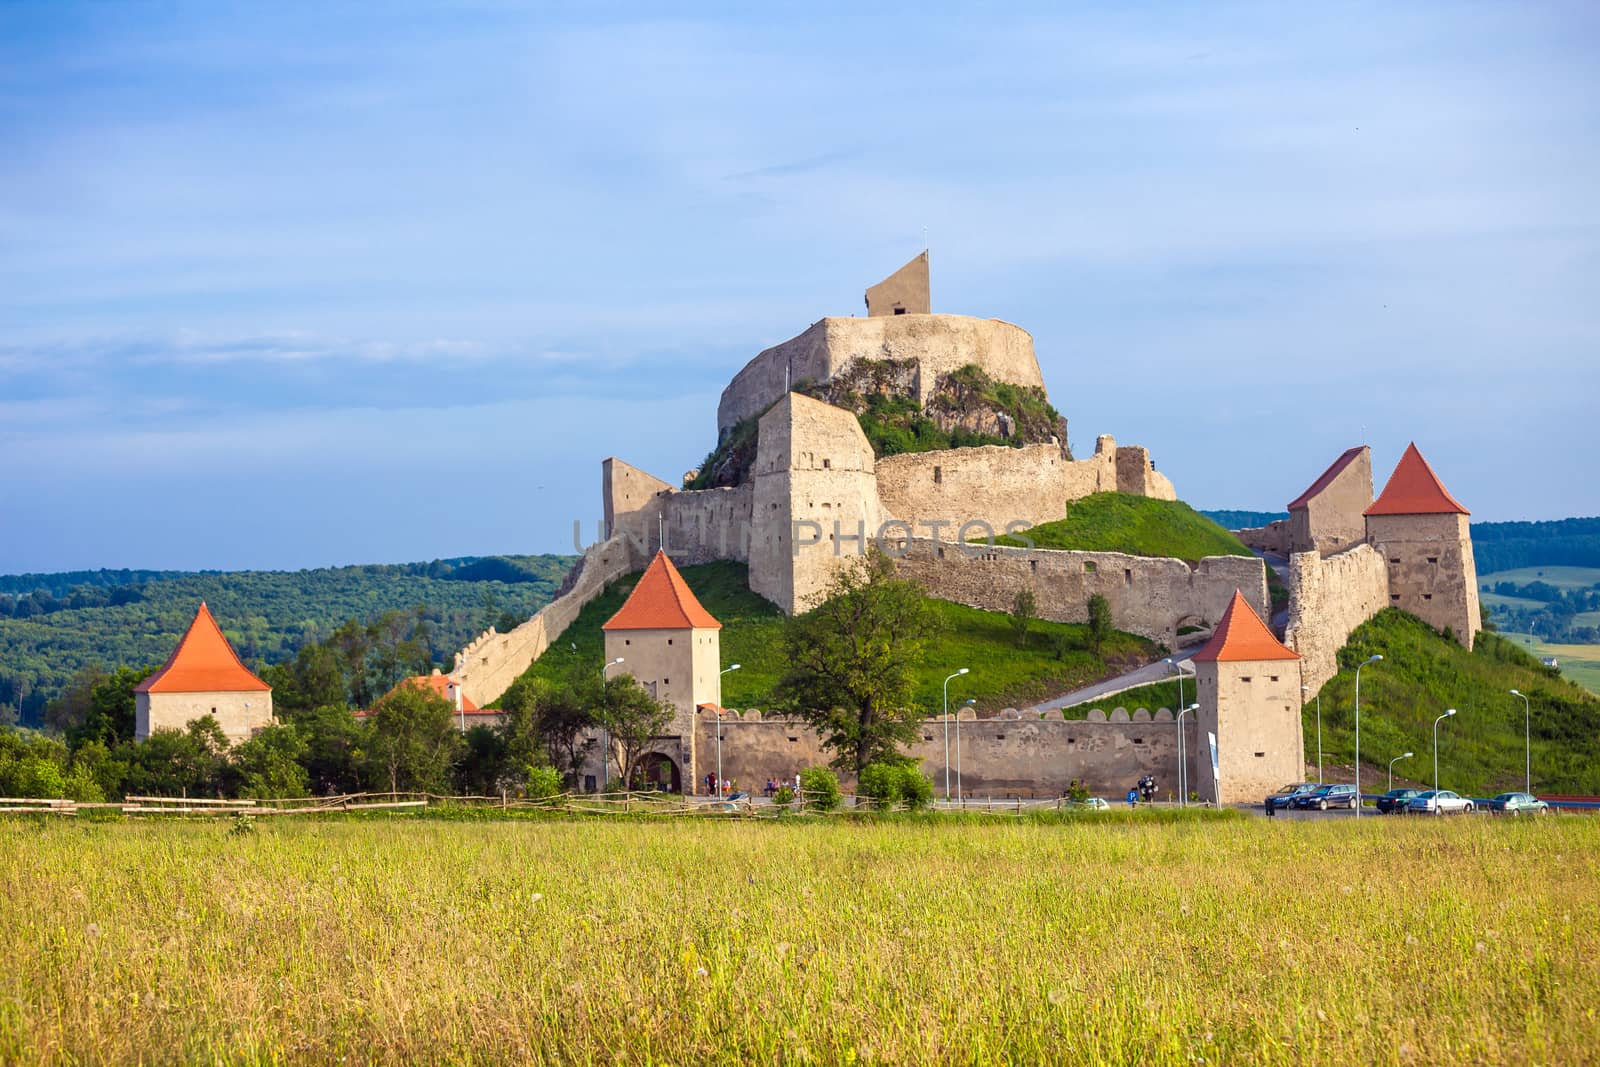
[1423, 533]
[1249, 695]
[671, 645]
[203, 676]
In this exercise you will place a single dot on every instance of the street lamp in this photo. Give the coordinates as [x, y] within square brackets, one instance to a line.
[958, 674]
[719, 729]
[1392, 762]
[1527, 742]
[1177, 665]
[1183, 758]
[1370, 659]
[967, 704]
[605, 738]
[1449, 712]
[1307, 689]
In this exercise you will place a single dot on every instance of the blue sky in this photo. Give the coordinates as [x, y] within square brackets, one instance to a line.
[288, 285]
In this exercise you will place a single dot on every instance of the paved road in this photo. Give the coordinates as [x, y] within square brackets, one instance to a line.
[1150, 672]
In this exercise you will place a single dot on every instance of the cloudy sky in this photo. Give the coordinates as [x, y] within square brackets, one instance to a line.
[288, 285]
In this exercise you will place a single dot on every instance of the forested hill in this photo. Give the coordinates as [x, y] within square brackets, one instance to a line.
[53, 625]
[1496, 546]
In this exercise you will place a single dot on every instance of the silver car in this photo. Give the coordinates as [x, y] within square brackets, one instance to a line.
[1441, 802]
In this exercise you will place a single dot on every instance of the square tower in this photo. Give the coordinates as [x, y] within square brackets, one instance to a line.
[1423, 534]
[1327, 517]
[672, 646]
[1249, 695]
[203, 676]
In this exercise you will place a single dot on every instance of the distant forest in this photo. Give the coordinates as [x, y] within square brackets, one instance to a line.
[1497, 546]
[54, 625]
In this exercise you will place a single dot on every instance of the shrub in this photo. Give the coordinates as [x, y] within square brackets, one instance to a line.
[543, 782]
[783, 797]
[881, 782]
[820, 788]
[916, 788]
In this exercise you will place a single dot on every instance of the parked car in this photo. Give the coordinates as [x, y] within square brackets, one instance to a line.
[1285, 796]
[1395, 800]
[1091, 804]
[1442, 802]
[1327, 796]
[1518, 804]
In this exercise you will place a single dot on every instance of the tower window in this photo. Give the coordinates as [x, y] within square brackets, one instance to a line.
[1259, 755]
[1244, 679]
[938, 476]
[1427, 596]
[827, 464]
[899, 311]
[1433, 559]
[1274, 677]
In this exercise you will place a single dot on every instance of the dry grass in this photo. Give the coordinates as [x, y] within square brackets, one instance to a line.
[1116, 941]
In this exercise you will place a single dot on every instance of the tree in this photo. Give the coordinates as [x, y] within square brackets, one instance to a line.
[1024, 609]
[632, 718]
[336, 748]
[268, 765]
[851, 660]
[1099, 622]
[551, 722]
[109, 716]
[188, 762]
[484, 768]
[414, 743]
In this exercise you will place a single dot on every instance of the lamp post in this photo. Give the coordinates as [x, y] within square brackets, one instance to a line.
[1392, 762]
[1370, 659]
[1307, 689]
[1183, 758]
[1527, 742]
[1177, 665]
[605, 738]
[958, 674]
[719, 729]
[1449, 712]
[966, 704]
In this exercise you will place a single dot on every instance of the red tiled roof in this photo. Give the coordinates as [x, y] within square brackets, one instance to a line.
[662, 601]
[1414, 489]
[1327, 477]
[1241, 635]
[203, 662]
[440, 684]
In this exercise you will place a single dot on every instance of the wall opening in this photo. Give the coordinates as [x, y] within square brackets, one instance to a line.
[938, 476]
[899, 311]
[1127, 576]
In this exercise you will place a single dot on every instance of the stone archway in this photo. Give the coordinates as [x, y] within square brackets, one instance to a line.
[1192, 630]
[656, 770]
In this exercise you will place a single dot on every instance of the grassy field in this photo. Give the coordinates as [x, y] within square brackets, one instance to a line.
[1560, 577]
[1003, 673]
[1139, 526]
[1580, 663]
[1117, 939]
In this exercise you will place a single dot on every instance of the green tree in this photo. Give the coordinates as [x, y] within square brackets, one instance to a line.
[1099, 622]
[109, 717]
[632, 718]
[269, 764]
[414, 743]
[1024, 609]
[336, 748]
[851, 661]
[170, 763]
[485, 768]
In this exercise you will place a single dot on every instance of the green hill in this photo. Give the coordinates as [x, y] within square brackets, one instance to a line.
[1137, 525]
[1003, 674]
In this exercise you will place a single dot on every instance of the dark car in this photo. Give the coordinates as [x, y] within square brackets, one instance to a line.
[1395, 800]
[1518, 804]
[1285, 796]
[1327, 796]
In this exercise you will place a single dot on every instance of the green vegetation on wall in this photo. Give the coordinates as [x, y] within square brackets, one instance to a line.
[1137, 525]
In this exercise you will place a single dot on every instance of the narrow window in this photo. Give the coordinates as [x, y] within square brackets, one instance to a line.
[1245, 679]
[1274, 677]
[827, 464]
[1127, 576]
[1392, 559]
[1433, 559]
[1033, 565]
[1138, 740]
[1427, 596]
[999, 737]
[793, 739]
[1395, 597]
[669, 640]
[899, 311]
[938, 476]
[1259, 755]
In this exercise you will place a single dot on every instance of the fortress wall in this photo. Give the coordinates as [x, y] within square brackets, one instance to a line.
[1137, 476]
[1329, 598]
[1274, 537]
[940, 344]
[486, 668]
[627, 493]
[708, 524]
[1431, 569]
[1003, 756]
[1148, 596]
[994, 484]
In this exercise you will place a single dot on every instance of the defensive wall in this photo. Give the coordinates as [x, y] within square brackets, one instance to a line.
[1152, 597]
[1328, 598]
[1014, 753]
[938, 343]
[485, 669]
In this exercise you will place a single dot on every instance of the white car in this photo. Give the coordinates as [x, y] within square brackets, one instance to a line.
[1092, 804]
[1442, 802]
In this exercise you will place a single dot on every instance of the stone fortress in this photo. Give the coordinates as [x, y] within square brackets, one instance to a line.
[799, 490]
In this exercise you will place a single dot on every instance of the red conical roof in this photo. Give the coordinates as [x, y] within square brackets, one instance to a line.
[1241, 635]
[662, 601]
[203, 662]
[1414, 489]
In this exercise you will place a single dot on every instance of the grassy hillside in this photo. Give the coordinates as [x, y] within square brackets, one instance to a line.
[53, 625]
[1003, 674]
[1139, 526]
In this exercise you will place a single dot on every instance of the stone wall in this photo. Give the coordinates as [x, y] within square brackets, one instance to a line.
[1274, 537]
[1331, 519]
[239, 714]
[1148, 596]
[1432, 573]
[1012, 754]
[995, 484]
[1138, 476]
[1328, 598]
[939, 344]
[905, 292]
[486, 668]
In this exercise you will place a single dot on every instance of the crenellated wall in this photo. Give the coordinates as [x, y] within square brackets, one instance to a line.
[1328, 598]
[1012, 754]
[938, 343]
[1148, 596]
